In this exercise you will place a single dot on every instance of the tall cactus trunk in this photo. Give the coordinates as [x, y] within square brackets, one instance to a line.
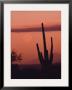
[44, 44]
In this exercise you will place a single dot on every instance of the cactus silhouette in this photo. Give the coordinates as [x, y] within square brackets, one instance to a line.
[51, 52]
[46, 59]
[40, 55]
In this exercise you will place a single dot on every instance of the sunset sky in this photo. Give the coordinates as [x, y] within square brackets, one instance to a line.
[25, 42]
[20, 19]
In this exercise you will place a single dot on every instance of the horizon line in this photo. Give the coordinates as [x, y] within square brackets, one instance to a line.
[37, 29]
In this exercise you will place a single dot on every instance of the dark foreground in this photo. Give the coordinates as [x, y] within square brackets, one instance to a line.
[36, 72]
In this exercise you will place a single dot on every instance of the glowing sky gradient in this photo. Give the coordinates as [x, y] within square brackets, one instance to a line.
[25, 42]
[27, 19]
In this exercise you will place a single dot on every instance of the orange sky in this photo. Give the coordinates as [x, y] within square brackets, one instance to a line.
[25, 19]
[25, 42]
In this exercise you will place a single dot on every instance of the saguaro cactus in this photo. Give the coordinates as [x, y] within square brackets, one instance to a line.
[46, 59]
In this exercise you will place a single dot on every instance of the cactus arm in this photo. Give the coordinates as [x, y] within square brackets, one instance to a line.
[39, 54]
[51, 52]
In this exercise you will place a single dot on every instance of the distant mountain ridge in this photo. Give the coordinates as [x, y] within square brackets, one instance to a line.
[38, 29]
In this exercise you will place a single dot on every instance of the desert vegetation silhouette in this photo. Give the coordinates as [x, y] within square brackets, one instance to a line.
[45, 60]
[15, 56]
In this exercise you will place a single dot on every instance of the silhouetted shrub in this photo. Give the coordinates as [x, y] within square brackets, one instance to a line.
[15, 56]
